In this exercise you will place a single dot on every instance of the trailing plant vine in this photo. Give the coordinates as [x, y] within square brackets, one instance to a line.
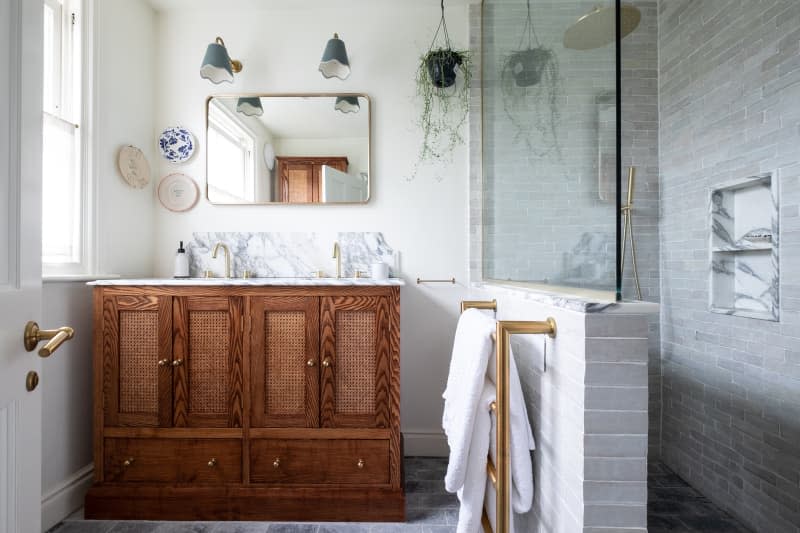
[444, 97]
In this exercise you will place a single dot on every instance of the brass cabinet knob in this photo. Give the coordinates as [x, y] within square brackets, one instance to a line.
[360, 463]
[213, 462]
[276, 463]
[326, 363]
[177, 362]
[163, 362]
[310, 362]
[127, 462]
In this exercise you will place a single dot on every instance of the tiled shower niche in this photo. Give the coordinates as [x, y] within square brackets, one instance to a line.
[744, 248]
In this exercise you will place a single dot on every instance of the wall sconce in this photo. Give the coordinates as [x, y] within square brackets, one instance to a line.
[347, 104]
[334, 59]
[217, 64]
[250, 106]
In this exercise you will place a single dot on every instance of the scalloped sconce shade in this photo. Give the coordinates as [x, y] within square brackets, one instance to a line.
[334, 59]
[347, 104]
[250, 106]
[217, 64]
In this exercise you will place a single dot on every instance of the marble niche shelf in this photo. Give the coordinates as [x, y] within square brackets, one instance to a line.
[744, 248]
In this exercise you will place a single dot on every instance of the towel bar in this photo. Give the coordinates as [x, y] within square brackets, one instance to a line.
[505, 329]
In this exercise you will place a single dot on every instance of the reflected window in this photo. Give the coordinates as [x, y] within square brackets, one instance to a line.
[231, 161]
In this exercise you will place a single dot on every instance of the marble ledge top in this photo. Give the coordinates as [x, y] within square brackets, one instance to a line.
[253, 282]
[583, 301]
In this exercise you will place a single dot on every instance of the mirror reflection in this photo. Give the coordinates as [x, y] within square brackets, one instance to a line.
[296, 149]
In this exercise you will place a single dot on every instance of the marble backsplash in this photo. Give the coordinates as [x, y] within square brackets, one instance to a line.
[289, 254]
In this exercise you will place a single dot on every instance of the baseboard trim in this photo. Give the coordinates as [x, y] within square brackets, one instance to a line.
[425, 443]
[66, 497]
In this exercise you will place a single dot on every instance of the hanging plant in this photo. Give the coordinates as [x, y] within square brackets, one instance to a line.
[530, 85]
[443, 81]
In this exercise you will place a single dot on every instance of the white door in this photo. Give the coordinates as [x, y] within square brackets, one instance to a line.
[20, 262]
[338, 186]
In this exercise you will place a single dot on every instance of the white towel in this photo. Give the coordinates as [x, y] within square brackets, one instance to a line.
[472, 348]
[470, 428]
[522, 441]
[471, 494]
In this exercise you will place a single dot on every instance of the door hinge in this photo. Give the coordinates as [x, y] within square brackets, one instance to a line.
[73, 18]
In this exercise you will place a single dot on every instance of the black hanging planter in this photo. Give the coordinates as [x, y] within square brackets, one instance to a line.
[528, 65]
[442, 67]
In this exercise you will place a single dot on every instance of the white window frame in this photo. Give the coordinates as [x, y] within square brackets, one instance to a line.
[74, 109]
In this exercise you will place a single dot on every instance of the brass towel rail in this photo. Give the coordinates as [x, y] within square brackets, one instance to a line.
[500, 473]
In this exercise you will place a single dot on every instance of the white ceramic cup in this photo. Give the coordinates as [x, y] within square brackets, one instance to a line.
[379, 270]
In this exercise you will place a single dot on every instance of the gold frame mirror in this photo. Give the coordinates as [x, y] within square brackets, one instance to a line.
[283, 149]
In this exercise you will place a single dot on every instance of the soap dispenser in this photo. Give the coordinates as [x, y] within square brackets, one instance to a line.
[181, 263]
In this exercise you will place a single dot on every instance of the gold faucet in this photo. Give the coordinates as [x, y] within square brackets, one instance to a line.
[227, 257]
[337, 254]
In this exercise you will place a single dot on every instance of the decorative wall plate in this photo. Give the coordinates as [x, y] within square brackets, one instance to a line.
[134, 167]
[178, 192]
[176, 144]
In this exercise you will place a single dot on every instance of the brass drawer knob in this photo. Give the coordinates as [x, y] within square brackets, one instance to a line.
[310, 362]
[163, 362]
[177, 362]
[276, 463]
[326, 363]
[213, 462]
[360, 463]
[127, 462]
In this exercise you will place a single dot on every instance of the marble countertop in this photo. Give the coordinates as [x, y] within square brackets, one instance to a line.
[584, 301]
[253, 282]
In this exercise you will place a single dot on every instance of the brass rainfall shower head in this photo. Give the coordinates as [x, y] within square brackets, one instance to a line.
[596, 28]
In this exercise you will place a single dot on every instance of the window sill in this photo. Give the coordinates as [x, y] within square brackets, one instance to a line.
[58, 278]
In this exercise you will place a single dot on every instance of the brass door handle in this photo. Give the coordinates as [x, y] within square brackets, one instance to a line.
[163, 362]
[310, 362]
[128, 462]
[276, 463]
[326, 363]
[213, 462]
[55, 337]
[360, 463]
[177, 362]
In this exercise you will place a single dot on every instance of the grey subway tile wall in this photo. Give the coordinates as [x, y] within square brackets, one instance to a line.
[729, 90]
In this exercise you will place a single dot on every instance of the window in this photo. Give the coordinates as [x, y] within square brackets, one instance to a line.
[231, 162]
[64, 249]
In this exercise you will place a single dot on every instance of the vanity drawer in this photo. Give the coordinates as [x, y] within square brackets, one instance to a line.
[152, 460]
[319, 461]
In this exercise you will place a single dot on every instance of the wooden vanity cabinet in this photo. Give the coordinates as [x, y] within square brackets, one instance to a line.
[247, 403]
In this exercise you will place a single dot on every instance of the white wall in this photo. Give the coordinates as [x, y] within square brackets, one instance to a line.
[425, 219]
[66, 381]
[126, 89]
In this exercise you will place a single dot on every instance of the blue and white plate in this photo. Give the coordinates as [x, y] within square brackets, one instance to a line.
[176, 144]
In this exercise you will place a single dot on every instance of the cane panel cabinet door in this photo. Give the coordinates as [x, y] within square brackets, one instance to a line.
[356, 362]
[137, 354]
[207, 361]
[284, 361]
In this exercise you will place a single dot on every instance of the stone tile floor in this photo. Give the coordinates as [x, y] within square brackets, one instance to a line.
[673, 506]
